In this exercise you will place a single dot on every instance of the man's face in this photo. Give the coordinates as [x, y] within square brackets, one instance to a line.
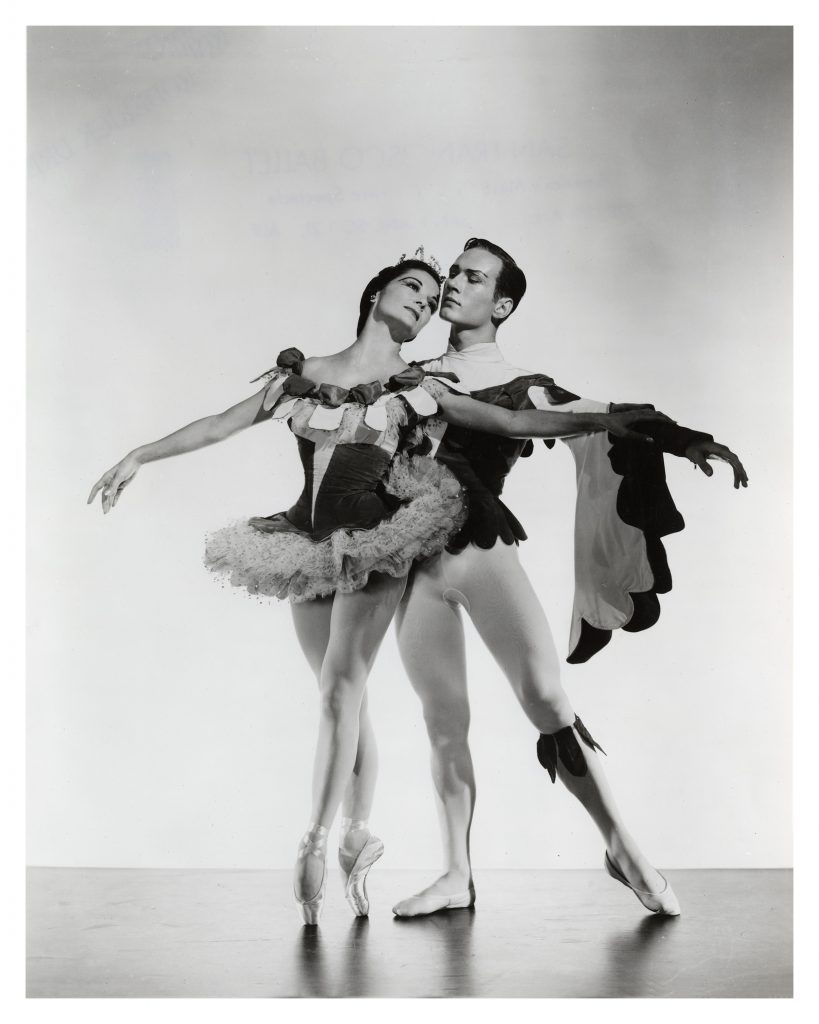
[469, 291]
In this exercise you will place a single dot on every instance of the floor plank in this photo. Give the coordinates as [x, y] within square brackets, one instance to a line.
[162, 933]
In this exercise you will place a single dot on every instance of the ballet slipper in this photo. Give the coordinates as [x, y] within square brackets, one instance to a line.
[425, 903]
[663, 902]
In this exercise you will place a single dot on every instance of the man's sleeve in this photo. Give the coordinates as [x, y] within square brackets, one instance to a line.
[671, 437]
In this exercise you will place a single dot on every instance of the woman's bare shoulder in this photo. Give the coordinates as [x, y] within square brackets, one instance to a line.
[317, 368]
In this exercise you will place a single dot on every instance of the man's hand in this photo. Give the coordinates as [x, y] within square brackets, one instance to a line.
[700, 452]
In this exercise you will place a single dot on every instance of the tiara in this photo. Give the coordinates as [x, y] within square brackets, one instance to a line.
[419, 255]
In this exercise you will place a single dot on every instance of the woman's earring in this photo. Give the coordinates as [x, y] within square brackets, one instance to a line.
[373, 298]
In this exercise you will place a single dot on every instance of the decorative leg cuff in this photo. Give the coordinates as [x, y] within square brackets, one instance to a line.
[563, 745]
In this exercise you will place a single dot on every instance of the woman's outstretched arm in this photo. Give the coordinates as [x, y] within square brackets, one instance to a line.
[189, 438]
[467, 412]
[491, 419]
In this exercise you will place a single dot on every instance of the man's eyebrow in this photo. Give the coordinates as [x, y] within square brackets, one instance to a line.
[467, 270]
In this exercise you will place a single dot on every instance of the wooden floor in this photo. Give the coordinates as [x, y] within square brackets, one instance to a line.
[126, 933]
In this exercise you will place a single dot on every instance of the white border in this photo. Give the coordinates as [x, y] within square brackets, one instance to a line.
[254, 12]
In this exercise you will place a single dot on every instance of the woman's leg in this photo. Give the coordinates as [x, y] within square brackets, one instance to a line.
[312, 623]
[357, 626]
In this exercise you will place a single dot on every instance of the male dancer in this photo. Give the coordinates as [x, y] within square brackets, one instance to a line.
[623, 510]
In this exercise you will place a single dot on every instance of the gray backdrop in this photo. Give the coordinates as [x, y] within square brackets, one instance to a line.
[200, 199]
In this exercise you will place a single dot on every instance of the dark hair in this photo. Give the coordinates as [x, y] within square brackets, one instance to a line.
[511, 283]
[382, 278]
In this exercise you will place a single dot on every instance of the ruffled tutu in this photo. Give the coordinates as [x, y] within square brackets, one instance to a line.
[289, 564]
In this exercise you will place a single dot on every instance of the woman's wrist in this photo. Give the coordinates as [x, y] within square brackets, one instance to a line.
[598, 421]
[140, 455]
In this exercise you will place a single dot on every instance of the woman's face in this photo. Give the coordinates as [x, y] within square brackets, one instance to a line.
[408, 301]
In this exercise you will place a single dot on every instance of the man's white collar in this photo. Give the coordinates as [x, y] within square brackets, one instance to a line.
[486, 351]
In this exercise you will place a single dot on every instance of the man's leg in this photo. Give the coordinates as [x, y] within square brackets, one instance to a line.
[507, 614]
[431, 642]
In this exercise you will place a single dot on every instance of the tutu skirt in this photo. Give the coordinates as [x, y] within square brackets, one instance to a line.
[288, 563]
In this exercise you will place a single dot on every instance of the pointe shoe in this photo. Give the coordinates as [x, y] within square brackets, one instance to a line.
[355, 876]
[664, 902]
[434, 903]
[314, 843]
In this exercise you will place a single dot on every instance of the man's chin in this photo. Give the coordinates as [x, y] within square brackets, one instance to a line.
[450, 314]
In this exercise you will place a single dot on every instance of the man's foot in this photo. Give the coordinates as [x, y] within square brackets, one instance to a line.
[662, 902]
[452, 891]
[625, 863]
[634, 867]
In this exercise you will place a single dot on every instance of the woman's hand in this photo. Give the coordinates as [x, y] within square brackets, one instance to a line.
[701, 451]
[619, 423]
[189, 438]
[114, 481]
